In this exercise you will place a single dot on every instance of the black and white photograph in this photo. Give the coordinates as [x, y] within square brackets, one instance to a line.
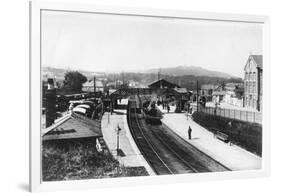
[136, 95]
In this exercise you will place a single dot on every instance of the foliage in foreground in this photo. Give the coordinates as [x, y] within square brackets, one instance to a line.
[74, 160]
[244, 134]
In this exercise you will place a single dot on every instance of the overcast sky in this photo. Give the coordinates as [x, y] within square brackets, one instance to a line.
[98, 42]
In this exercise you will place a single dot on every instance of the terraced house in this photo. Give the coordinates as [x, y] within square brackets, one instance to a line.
[253, 82]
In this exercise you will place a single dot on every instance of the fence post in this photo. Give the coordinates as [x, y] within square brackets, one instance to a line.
[240, 114]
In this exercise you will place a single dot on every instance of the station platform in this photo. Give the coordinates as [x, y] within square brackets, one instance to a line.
[130, 155]
[232, 156]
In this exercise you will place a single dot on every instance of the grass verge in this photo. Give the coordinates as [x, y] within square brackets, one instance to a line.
[78, 159]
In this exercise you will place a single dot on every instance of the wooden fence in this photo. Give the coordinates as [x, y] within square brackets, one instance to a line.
[242, 115]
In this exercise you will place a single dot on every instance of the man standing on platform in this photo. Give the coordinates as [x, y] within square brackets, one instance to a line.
[189, 132]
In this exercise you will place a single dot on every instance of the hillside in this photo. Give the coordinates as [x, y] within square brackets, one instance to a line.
[189, 70]
[186, 81]
[179, 75]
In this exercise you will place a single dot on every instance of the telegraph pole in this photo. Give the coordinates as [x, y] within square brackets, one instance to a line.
[95, 86]
[123, 79]
[197, 88]
[159, 77]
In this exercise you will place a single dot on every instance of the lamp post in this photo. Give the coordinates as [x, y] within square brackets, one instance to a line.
[108, 119]
[118, 129]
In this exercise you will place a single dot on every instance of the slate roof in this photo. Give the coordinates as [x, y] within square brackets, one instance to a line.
[164, 83]
[90, 83]
[73, 126]
[258, 60]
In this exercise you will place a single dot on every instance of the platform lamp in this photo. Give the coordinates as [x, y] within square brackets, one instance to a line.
[118, 129]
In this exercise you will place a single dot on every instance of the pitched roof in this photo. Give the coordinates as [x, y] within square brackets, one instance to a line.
[233, 86]
[90, 83]
[208, 86]
[164, 84]
[74, 126]
[258, 60]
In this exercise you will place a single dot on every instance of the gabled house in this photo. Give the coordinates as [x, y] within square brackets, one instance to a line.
[229, 93]
[253, 82]
[207, 91]
[93, 85]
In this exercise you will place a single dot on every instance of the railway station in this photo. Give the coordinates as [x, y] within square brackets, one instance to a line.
[148, 127]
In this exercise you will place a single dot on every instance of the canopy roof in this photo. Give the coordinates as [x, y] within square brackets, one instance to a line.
[73, 126]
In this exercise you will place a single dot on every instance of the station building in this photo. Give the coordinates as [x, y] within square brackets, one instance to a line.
[162, 83]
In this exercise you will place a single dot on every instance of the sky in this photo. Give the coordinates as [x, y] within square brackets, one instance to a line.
[117, 43]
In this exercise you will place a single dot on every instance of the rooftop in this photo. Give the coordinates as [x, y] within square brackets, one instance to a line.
[258, 60]
[90, 83]
[73, 126]
[208, 87]
[163, 83]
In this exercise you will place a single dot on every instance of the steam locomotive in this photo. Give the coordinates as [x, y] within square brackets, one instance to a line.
[152, 114]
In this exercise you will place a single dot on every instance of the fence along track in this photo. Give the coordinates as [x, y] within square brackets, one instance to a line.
[237, 114]
[187, 158]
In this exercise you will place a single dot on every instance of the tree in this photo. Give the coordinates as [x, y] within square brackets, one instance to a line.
[223, 85]
[73, 81]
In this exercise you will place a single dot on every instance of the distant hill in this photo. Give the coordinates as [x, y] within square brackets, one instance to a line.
[189, 70]
[186, 81]
[184, 76]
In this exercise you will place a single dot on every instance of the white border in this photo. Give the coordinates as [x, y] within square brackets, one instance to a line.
[35, 97]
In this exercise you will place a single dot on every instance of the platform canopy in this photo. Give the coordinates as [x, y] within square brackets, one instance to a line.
[73, 127]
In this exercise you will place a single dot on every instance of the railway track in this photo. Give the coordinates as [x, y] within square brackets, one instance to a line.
[180, 152]
[166, 152]
[162, 158]
[145, 146]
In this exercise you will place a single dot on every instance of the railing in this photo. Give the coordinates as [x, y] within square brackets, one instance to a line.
[242, 115]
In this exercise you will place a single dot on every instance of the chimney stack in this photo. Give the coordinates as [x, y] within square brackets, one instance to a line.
[50, 96]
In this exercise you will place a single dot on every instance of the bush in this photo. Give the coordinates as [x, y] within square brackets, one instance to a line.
[245, 134]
